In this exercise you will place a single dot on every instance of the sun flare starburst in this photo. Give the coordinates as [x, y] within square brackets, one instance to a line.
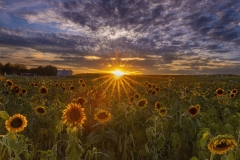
[117, 79]
[118, 73]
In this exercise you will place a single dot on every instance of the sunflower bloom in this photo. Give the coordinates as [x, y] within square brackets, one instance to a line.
[163, 111]
[24, 91]
[73, 116]
[219, 92]
[16, 123]
[43, 90]
[157, 105]
[40, 110]
[142, 103]
[137, 95]
[102, 116]
[81, 100]
[221, 144]
[194, 110]
[9, 83]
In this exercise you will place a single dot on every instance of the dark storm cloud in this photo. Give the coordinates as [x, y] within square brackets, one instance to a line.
[171, 29]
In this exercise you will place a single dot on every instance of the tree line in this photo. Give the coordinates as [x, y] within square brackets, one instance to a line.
[21, 69]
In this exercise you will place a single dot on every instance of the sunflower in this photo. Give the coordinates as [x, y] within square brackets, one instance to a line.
[16, 123]
[16, 89]
[154, 92]
[157, 105]
[81, 100]
[137, 95]
[163, 111]
[9, 83]
[43, 90]
[221, 144]
[142, 103]
[40, 110]
[71, 88]
[24, 91]
[219, 92]
[131, 100]
[81, 81]
[194, 110]
[157, 89]
[234, 91]
[73, 116]
[1, 79]
[149, 85]
[83, 85]
[56, 84]
[232, 95]
[102, 116]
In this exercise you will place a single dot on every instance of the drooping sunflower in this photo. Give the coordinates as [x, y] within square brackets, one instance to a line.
[102, 116]
[163, 111]
[9, 82]
[43, 90]
[16, 123]
[219, 92]
[142, 103]
[194, 110]
[40, 110]
[81, 100]
[73, 116]
[221, 144]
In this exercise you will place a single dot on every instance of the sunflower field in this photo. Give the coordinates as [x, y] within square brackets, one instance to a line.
[131, 118]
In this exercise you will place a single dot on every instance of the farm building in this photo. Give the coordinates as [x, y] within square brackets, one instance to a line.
[64, 72]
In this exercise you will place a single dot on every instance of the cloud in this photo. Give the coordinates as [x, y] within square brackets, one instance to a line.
[147, 33]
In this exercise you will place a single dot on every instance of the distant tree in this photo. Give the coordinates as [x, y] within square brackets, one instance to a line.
[1, 68]
[50, 70]
[7, 68]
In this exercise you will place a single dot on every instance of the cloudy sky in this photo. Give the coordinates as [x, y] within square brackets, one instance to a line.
[151, 36]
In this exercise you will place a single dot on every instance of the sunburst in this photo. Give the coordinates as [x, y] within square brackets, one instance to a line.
[117, 80]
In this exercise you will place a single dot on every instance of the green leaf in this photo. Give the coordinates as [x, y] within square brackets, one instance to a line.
[237, 154]
[160, 142]
[231, 155]
[194, 158]
[4, 115]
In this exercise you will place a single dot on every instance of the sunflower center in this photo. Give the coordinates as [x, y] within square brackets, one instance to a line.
[40, 110]
[74, 114]
[222, 145]
[102, 116]
[162, 111]
[158, 106]
[16, 123]
[142, 103]
[220, 91]
[193, 111]
[44, 90]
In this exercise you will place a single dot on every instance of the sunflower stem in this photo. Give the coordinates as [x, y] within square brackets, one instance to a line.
[212, 155]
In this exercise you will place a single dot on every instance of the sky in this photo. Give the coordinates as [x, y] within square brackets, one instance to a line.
[150, 36]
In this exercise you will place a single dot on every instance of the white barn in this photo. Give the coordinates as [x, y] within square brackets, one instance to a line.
[64, 72]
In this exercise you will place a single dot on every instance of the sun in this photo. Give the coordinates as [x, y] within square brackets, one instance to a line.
[118, 73]
[117, 79]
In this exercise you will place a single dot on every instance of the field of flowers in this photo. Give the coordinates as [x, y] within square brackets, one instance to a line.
[137, 118]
